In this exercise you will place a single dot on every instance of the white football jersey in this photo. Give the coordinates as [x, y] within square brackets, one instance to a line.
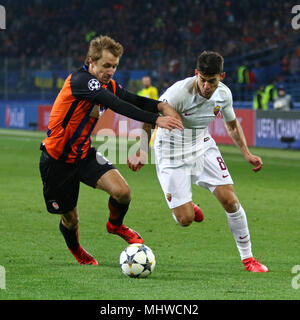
[196, 113]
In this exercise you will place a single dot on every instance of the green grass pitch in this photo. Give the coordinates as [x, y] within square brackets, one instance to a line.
[199, 262]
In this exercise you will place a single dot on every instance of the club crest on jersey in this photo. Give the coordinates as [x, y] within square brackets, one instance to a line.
[217, 110]
[94, 84]
[169, 196]
[55, 205]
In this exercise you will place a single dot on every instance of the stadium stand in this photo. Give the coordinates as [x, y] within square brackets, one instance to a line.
[46, 40]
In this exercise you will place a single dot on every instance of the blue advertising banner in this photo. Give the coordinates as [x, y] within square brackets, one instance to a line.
[273, 129]
[19, 114]
[278, 129]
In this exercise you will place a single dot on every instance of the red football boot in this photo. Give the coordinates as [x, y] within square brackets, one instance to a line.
[198, 213]
[254, 265]
[83, 257]
[124, 232]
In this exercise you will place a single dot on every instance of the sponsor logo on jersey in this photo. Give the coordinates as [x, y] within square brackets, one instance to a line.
[188, 114]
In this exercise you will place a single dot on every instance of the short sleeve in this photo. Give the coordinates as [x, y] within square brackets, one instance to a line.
[227, 108]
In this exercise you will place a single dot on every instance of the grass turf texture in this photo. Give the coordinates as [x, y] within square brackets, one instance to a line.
[194, 263]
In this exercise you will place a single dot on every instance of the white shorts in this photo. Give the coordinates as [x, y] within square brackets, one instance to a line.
[208, 172]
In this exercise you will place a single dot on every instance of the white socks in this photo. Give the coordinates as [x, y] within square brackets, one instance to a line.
[237, 222]
[173, 215]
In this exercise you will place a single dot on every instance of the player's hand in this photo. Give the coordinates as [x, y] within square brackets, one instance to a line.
[170, 123]
[136, 161]
[255, 161]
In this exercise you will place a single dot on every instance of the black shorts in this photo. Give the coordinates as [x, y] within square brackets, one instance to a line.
[61, 180]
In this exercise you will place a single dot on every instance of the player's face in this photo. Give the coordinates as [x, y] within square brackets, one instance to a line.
[208, 84]
[105, 67]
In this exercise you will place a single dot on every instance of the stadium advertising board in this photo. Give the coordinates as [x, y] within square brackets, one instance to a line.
[274, 126]
[16, 115]
[43, 116]
[261, 128]
[111, 120]
[247, 121]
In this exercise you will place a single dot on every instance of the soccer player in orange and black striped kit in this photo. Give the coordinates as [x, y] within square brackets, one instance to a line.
[68, 157]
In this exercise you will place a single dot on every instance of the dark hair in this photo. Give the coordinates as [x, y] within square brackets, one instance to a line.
[210, 63]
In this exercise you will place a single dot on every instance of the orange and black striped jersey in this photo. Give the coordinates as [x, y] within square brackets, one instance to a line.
[76, 110]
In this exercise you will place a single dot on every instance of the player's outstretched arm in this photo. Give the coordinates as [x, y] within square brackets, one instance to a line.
[169, 122]
[136, 161]
[235, 131]
[167, 110]
[129, 110]
[170, 115]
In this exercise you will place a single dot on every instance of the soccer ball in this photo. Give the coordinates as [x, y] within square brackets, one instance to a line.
[137, 261]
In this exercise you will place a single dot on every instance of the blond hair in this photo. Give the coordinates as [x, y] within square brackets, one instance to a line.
[100, 43]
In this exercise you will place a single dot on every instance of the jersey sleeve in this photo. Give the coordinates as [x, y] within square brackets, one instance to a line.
[227, 107]
[174, 97]
[85, 87]
[139, 101]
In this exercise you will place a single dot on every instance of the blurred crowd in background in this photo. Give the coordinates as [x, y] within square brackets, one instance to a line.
[162, 37]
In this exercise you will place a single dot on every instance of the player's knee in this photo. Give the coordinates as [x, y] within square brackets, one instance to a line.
[185, 220]
[70, 221]
[122, 194]
[184, 215]
[231, 205]
[185, 223]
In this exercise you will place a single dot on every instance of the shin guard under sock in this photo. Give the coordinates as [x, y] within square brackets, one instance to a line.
[117, 211]
[70, 235]
[238, 225]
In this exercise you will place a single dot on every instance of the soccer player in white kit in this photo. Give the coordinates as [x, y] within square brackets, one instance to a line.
[191, 156]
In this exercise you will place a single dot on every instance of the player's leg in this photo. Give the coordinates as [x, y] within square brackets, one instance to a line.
[216, 178]
[187, 213]
[184, 214]
[238, 225]
[97, 172]
[115, 185]
[60, 190]
[236, 217]
[68, 226]
[176, 185]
